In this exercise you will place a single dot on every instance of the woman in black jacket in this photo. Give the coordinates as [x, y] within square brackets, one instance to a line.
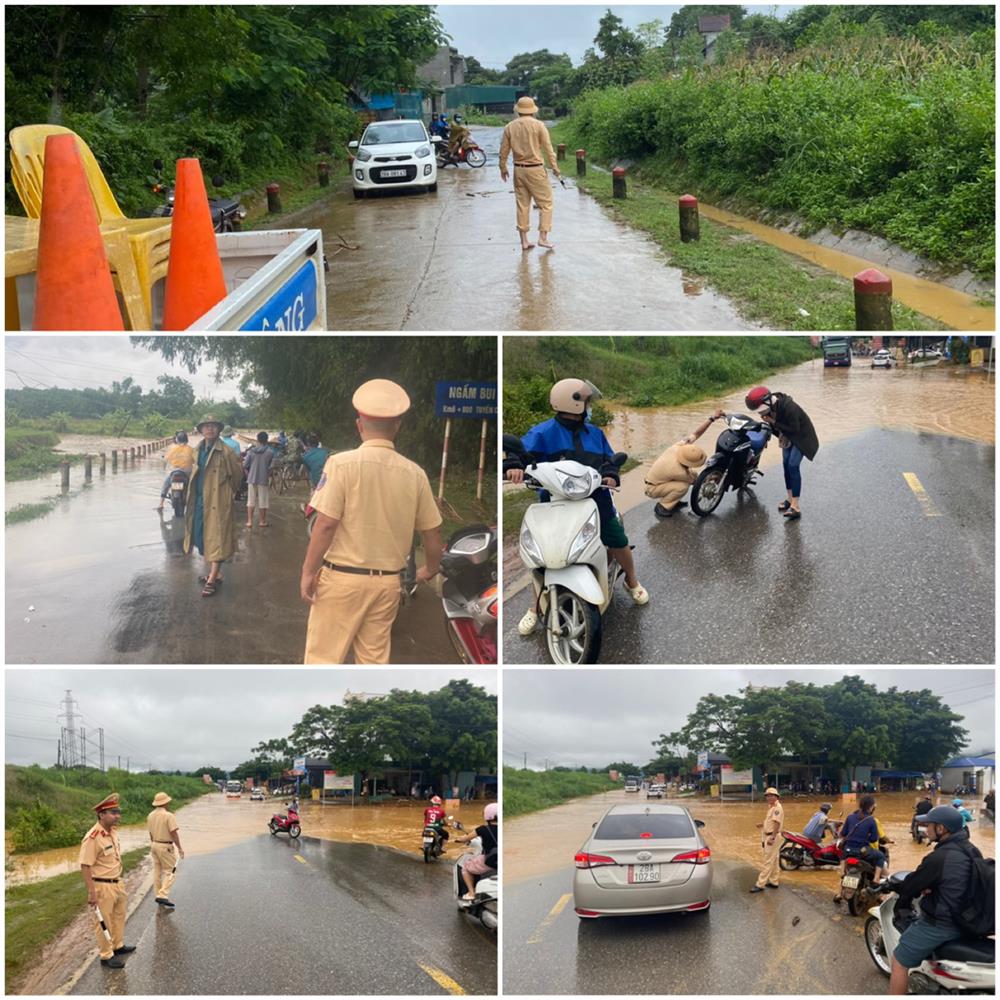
[796, 435]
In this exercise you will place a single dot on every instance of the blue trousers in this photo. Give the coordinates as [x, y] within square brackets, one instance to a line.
[791, 459]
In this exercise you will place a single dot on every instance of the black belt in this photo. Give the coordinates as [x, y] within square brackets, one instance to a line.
[360, 570]
[529, 164]
[170, 842]
[106, 880]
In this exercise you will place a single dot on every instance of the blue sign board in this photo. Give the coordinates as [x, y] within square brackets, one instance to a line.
[292, 307]
[473, 400]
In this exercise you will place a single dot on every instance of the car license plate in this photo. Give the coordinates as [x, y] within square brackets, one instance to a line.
[177, 487]
[428, 840]
[643, 873]
[851, 881]
[393, 173]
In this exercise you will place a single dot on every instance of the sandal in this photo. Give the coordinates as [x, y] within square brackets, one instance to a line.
[209, 589]
[784, 505]
[792, 514]
[204, 579]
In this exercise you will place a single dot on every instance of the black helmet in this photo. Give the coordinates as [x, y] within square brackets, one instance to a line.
[181, 437]
[947, 816]
[825, 807]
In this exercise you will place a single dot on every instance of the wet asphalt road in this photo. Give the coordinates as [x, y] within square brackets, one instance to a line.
[745, 944]
[452, 261]
[346, 918]
[109, 583]
[864, 577]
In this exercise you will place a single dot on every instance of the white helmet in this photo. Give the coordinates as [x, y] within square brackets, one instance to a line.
[571, 395]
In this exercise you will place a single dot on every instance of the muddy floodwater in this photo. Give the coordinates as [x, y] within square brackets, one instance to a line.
[213, 822]
[544, 842]
[841, 402]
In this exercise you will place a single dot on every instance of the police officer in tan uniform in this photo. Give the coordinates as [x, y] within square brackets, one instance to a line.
[101, 865]
[368, 502]
[770, 832]
[527, 138]
[164, 841]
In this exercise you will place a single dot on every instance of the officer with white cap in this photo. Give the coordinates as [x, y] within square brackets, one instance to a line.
[369, 501]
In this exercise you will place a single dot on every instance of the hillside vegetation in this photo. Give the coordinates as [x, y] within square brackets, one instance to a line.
[529, 791]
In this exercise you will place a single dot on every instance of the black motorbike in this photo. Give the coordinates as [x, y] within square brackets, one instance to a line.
[469, 592]
[178, 491]
[857, 884]
[227, 213]
[734, 466]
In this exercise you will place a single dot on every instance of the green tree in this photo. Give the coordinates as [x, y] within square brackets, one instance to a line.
[176, 396]
[215, 773]
[623, 768]
[476, 74]
[522, 69]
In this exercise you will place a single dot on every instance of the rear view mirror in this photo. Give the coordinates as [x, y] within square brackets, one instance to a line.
[218, 180]
[158, 165]
[512, 443]
[619, 458]
[353, 144]
[699, 823]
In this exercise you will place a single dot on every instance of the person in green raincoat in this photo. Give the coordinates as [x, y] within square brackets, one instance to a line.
[209, 524]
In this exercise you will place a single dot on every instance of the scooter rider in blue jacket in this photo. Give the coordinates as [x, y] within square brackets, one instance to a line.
[569, 435]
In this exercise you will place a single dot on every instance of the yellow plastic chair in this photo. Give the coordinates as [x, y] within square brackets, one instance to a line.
[149, 239]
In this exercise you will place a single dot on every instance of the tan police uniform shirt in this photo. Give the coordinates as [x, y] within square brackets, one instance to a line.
[380, 498]
[102, 852]
[526, 138]
[774, 821]
[161, 824]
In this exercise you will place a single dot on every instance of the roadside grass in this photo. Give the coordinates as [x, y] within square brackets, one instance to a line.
[473, 116]
[300, 189]
[36, 464]
[38, 912]
[460, 493]
[530, 791]
[30, 511]
[767, 285]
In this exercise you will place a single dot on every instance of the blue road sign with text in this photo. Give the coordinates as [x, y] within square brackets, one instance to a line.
[473, 400]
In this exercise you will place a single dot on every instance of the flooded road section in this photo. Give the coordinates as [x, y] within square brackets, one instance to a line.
[544, 842]
[214, 822]
[103, 579]
[452, 261]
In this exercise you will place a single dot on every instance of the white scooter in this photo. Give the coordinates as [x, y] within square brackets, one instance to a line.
[485, 906]
[560, 543]
[963, 966]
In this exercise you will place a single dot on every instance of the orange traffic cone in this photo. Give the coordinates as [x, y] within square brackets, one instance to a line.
[194, 272]
[73, 289]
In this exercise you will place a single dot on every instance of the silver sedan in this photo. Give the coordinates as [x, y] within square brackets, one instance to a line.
[643, 859]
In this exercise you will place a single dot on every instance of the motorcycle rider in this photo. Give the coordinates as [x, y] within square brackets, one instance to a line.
[796, 435]
[486, 861]
[942, 881]
[180, 455]
[966, 815]
[820, 823]
[434, 815]
[569, 435]
[459, 133]
[672, 474]
[921, 808]
[859, 832]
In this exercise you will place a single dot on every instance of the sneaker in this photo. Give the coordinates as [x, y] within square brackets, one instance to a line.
[638, 593]
[660, 511]
[527, 624]
[125, 949]
[112, 963]
[757, 888]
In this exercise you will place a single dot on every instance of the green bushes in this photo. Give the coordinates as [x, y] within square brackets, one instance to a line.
[889, 135]
[529, 791]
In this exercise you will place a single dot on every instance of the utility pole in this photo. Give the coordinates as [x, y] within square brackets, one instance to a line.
[127, 764]
[100, 737]
[69, 730]
[83, 746]
[525, 760]
[119, 762]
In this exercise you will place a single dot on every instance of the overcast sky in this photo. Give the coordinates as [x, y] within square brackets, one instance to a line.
[183, 719]
[595, 717]
[94, 362]
[495, 33]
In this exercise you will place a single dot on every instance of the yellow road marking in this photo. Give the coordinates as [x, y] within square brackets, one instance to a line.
[550, 919]
[443, 980]
[298, 857]
[921, 494]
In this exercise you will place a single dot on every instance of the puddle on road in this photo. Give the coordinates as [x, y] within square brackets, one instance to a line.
[545, 842]
[214, 822]
[841, 402]
[691, 286]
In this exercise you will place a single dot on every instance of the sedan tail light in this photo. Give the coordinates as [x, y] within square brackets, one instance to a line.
[584, 860]
[700, 857]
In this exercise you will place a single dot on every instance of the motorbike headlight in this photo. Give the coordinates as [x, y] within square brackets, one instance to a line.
[590, 530]
[171, 198]
[422, 152]
[530, 547]
[575, 487]
[364, 155]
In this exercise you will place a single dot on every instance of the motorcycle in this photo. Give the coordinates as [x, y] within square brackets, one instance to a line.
[560, 543]
[282, 823]
[469, 593]
[963, 966]
[918, 827]
[735, 464]
[227, 213]
[485, 907]
[857, 885]
[798, 851]
[178, 491]
[468, 153]
[433, 840]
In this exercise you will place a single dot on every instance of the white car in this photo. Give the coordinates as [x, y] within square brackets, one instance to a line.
[882, 359]
[394, 154]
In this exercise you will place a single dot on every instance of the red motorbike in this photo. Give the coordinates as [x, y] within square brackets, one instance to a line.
[468, 153]
[801, 852]
[282, 823]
